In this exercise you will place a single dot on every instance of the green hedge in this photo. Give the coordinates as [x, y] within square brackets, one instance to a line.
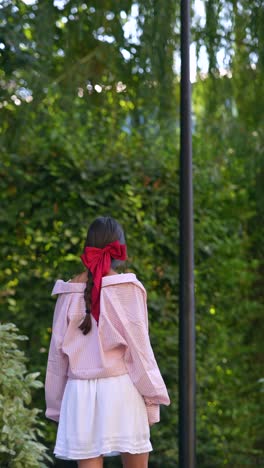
[20, 427]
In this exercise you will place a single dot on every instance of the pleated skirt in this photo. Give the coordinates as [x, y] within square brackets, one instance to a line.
[104, 416]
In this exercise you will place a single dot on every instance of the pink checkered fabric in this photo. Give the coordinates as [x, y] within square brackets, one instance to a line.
[119, 345]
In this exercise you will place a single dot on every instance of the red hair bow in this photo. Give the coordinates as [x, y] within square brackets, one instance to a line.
[98, 261]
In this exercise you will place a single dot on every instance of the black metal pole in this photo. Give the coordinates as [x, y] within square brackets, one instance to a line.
[187, 456]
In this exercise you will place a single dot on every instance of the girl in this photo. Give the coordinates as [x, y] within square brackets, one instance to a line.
[103, 384]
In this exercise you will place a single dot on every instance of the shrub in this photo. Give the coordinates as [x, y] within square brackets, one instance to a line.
[19, 425]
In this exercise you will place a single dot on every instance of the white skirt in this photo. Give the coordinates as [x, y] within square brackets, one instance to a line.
[102, 417]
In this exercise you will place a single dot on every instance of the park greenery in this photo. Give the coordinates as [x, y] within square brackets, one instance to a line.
[89, 126]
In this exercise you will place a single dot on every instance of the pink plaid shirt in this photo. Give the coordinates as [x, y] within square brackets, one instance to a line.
[118, 345]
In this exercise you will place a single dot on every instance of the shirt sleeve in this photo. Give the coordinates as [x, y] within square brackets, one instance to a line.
[57, 366]
[139, 357]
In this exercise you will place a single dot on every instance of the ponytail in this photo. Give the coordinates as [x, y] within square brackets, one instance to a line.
[86, 324]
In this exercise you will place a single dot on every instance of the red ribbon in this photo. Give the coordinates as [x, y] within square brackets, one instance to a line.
[98, 261]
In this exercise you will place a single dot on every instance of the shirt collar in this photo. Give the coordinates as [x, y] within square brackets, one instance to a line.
[69, 287]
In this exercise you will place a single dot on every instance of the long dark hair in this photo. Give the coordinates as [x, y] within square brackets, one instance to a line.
[101, 232]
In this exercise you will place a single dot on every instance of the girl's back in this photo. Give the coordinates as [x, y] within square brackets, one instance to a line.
[102, 342]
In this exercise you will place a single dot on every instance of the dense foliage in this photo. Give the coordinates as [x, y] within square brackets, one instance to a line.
[90, 125]
[20, 426]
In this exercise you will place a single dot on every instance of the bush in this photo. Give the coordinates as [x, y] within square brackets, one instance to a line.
[19, 425]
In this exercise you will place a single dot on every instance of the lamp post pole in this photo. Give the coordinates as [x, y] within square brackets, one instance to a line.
[187, 456]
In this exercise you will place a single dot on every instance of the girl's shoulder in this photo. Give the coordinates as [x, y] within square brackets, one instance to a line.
[81, 278]
[121, 278]
[128, 280]
[78, 283]
[124, 299]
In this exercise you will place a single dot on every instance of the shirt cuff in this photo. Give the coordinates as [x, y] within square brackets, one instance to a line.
[53, 415]
[153, 412]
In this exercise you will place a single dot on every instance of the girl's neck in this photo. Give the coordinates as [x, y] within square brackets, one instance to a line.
[82, 278]
[111, 272]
